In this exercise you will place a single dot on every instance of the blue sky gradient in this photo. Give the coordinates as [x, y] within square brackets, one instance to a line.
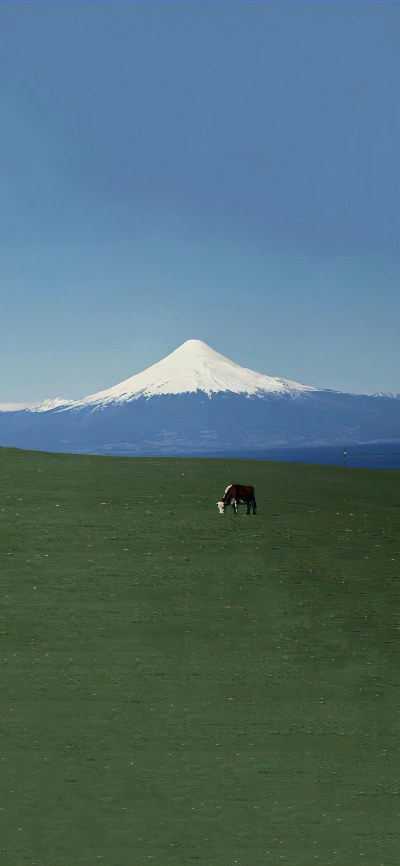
[221, 171]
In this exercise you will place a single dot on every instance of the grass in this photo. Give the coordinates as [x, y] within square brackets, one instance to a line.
[181, 687]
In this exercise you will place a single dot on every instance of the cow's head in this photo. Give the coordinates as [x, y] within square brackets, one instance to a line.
[221, 506]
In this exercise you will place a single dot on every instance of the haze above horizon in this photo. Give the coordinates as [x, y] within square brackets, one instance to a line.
[226, 172]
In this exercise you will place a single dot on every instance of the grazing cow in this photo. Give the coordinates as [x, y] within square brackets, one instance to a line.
[235, 494]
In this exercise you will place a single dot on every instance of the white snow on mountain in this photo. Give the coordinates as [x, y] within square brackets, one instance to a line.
[51, 404]
[194, 366]
[34, 407]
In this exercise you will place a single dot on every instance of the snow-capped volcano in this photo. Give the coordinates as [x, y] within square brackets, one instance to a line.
[192, 367]
[165, 410]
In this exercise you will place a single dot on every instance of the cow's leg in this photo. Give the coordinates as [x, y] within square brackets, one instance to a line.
[234, 506]
[248, 507]
[254, 507]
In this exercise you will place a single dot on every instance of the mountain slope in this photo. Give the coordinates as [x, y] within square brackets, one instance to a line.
[186, 423]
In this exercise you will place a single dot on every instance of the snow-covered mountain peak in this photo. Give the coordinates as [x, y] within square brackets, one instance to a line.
[193, 349]
[44, 406]
[194, 366]
[51, 404]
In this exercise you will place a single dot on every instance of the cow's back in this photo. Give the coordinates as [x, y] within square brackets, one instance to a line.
[242, 491]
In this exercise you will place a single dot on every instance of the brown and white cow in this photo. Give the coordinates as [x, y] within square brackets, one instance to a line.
[236, 494]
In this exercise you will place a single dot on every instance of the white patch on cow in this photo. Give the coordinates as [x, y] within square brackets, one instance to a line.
[229, 485]
[221, 507]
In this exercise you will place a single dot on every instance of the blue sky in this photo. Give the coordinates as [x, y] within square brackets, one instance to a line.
[220, 171]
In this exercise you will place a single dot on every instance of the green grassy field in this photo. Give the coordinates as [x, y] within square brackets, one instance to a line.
[181, 687]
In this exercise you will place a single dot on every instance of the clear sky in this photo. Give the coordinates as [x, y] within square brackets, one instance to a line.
[222, 171]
